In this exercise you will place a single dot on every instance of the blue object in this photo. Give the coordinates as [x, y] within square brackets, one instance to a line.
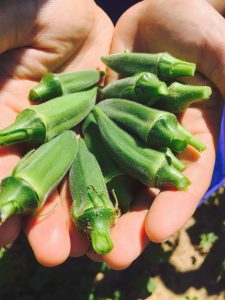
[218, 178]
[115, 9]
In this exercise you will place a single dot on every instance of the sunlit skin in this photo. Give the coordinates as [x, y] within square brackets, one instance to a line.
[56, 40]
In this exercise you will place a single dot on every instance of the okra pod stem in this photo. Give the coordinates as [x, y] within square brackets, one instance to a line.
[92, 210]
[56, 85]
[164, 65]
[150, 167]
[36, 175]
[155, 127]
[38, 124]
[117, 182]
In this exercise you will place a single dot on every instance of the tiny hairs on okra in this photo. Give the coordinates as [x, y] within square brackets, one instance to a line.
[164, 65]
[155, 127]
[119, 183]
[147, 89]
[56, 85]
[38, 124]
[150, 167]
[36, 175]
[92, 210]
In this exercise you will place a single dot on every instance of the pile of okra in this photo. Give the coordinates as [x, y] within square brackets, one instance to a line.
[130, 138]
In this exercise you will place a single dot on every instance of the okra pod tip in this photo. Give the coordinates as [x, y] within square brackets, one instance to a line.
[14, 193]
[92, 210]
[168, 177]
[99, 222]
[48, 87]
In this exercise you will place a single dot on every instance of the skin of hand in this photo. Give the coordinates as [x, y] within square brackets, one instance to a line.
[219, 5]
[37, 37]
[196, 36]
[42, 45]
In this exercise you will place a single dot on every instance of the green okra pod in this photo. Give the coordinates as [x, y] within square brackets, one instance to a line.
[152, 168]
[181, 96]
[164, 65]
[92, 209]
[155, 127]
[173, 160]
[144, 87]
[116, 180]
[147, 89]
[36, 175]
[38, 124]
[56, 85]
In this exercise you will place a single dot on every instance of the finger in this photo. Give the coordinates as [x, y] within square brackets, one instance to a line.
[95, 45]
[78, 241]
[123, 37]
[51, 42]
[17, 23]
[174, 208]
[10, 230]
[94, 256]
[48, 233]
[128, 236]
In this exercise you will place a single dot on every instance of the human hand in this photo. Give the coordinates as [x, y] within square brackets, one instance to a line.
[37, 37]
[194, 31]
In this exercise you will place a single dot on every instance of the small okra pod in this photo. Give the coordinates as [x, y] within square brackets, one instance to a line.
[144, 87]
[38, 124]
[56, 85]
[155, 127]
[92, 209]
[181, 96]
[150, 167]
[36, 175]
[117, 181]
[164, 65]
[147, 89]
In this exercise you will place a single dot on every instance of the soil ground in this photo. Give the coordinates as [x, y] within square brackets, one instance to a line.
[188, 267]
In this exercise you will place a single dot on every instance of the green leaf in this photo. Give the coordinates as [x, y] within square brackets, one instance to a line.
[151, 285]
[207, 239]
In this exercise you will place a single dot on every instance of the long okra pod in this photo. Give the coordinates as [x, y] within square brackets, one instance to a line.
[116, 180]
[36, 175]
[164, 65]
[38, 124]
[155, 127]
[92, 210]
[150, 167]
[56, 85]
[147, 89]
